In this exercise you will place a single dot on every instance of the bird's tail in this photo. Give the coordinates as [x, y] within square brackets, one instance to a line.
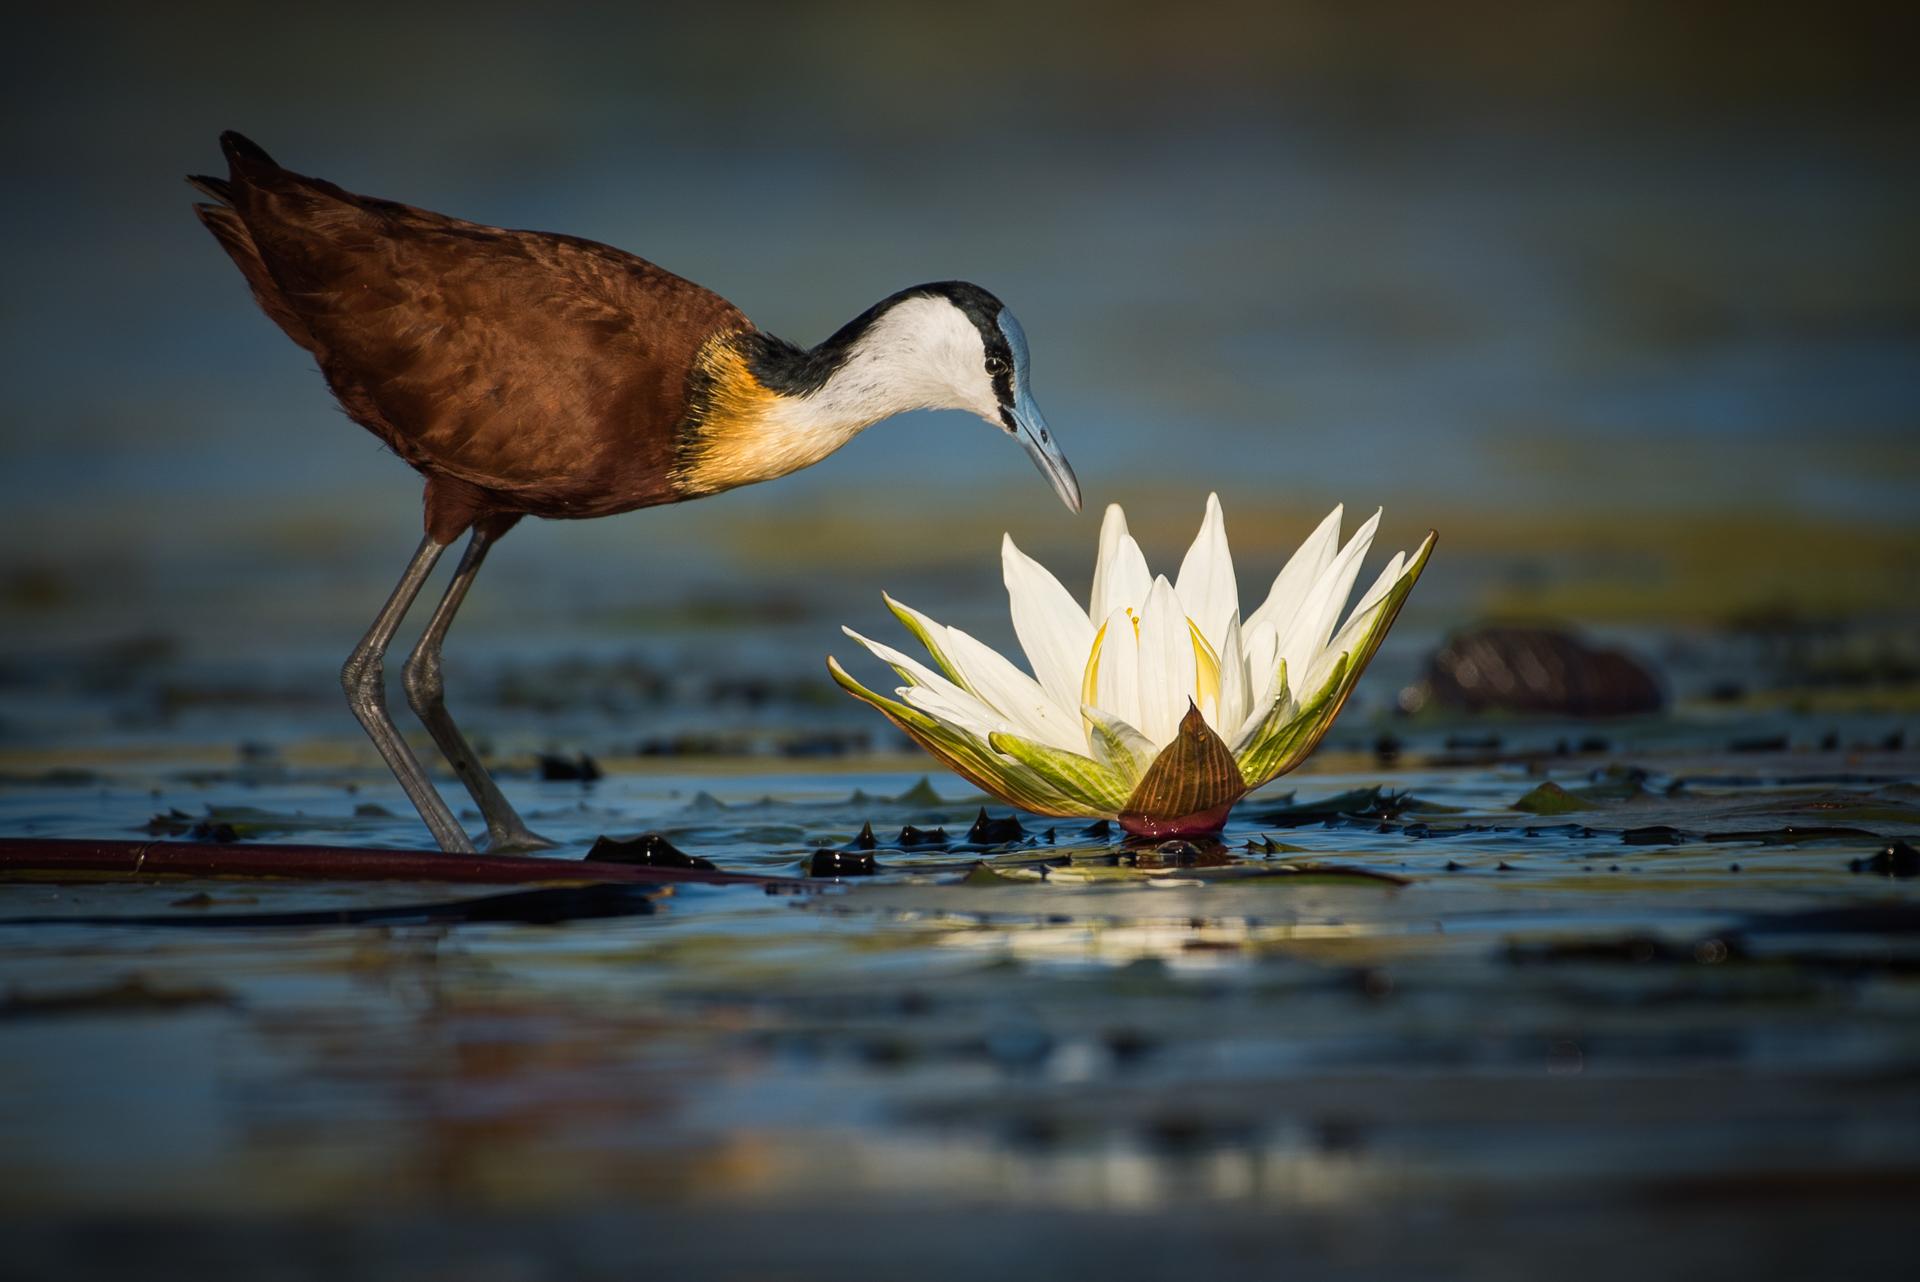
[245, 157]
[244, 153]
[218, 188]
[246, 162]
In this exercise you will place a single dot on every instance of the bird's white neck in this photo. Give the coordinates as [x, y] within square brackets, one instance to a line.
[921, 353]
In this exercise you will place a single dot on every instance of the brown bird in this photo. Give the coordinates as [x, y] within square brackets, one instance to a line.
[532, 374]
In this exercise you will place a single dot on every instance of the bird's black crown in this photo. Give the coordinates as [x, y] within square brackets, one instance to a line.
[792, 370]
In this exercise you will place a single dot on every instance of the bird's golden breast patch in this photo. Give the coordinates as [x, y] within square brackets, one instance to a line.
[739, 431]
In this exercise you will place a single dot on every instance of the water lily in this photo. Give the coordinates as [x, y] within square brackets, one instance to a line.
[1158, 704]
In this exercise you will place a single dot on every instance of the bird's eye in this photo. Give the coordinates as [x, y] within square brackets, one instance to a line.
[996, 366]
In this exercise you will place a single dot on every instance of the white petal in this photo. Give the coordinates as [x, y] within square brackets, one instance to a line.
[1301, 644]
[969, 716]
[1166, 664]
[1120, 577]
[1206, 586]
[1051, 628]
[969, 711]
[1302, 571]
[1014, 695]
[1262, 645]
[1234, 694]
[1116, 686]
[1345, 640]
[1370, 598]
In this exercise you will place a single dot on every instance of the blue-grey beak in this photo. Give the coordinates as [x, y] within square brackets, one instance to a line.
[1040, 447]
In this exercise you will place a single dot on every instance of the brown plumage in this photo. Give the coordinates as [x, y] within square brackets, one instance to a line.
[523, 373]
[531, 374]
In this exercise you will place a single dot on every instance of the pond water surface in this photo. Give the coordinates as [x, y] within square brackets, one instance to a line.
[1391, 1021]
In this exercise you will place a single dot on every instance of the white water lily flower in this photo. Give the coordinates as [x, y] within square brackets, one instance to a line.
[1158, 704]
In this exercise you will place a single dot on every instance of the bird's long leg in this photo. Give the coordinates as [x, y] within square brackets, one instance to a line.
[363, 676]
[426, 694]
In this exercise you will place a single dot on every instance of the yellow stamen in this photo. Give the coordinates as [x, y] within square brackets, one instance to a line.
[1206, 665]
[1090, 679]
[1206, 668]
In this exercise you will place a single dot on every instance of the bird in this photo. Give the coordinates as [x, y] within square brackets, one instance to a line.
[527, 373]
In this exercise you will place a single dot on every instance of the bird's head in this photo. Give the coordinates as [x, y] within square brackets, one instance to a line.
[948, 345]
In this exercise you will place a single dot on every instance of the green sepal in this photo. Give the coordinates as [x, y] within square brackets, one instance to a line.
[1083, 779]
[920, 634]
[1274, 748]
[966, 756]
[1118, 746]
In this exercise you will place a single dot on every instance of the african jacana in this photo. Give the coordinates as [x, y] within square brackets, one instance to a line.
[532, 374]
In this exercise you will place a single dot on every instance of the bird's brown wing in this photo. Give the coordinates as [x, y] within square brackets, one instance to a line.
[521, 362]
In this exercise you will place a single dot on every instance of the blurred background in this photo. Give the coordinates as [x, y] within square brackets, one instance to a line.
[1623, 298]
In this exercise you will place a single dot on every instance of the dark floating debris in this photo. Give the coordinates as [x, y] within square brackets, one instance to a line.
[1653, 835]
[1897, 859]
[1791, 835]
[649, 850]
[1759, 743]
[1100, 828]
[1181, 853]
[1473, 743]
[547, 906]
[1638, 949]
[912, 836]
[842, 863]
[1360, 804]
[131, 995]
[557, 769]
[1873, 925]
[172, 822]
[1534, 670]
[865, 841]
[992, 832]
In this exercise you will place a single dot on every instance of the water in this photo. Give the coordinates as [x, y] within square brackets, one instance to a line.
[1530, 1019]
